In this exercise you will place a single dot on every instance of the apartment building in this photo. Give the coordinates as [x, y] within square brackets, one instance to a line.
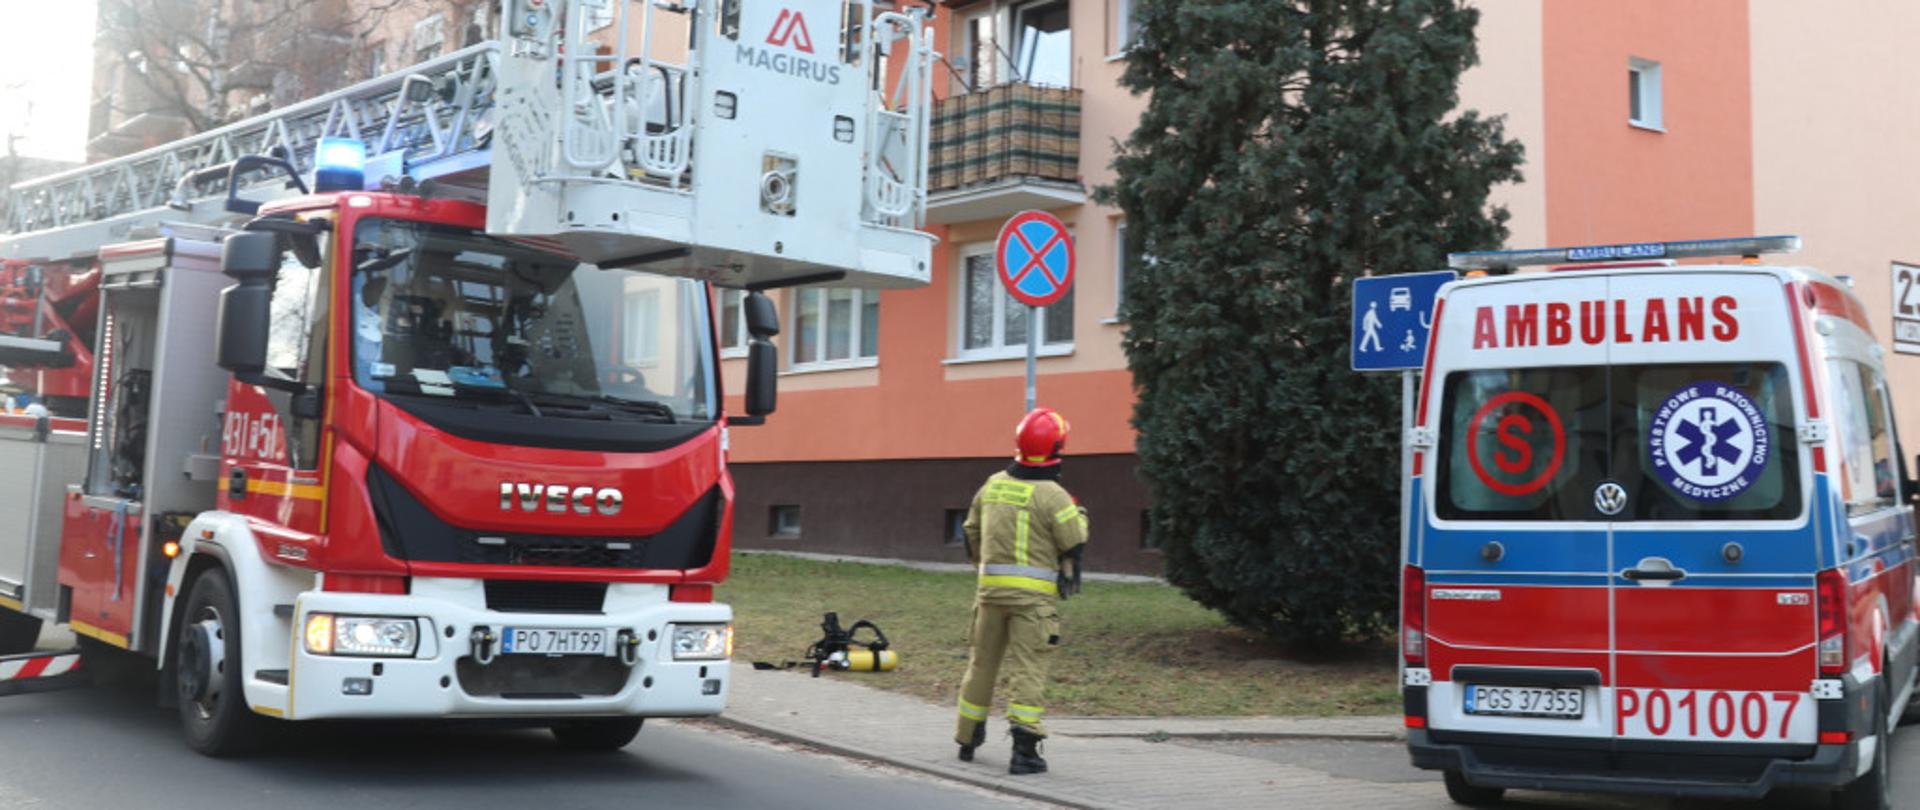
[1642, 120]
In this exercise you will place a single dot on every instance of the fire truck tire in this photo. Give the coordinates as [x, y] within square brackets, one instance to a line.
[1467, 794]
[213, 706]
[1874, 789]
[18, 632]
[597, 733]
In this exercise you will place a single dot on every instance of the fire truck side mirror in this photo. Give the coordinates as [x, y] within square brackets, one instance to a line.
[240, 323]
[762, 321]
[762, 369]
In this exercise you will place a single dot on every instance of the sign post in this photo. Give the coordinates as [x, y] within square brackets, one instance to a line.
[1392, 321]
[1034, 257]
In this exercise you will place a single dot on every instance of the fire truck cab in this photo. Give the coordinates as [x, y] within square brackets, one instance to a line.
[1660, 537]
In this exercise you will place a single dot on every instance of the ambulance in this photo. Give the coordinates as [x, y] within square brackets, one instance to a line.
[1659, 536]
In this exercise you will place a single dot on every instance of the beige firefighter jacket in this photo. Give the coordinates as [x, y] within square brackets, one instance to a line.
[1017, 532]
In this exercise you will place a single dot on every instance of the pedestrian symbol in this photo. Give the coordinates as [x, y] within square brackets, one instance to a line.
[1392, 316]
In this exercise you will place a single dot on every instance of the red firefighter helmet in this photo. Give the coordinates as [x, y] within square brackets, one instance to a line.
[1041, 438]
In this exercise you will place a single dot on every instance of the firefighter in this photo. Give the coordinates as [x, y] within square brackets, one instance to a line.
[1026, 535]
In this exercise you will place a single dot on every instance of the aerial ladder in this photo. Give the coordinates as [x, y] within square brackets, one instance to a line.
[403, 401]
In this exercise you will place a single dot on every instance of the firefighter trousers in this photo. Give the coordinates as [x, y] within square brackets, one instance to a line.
[1023, 638]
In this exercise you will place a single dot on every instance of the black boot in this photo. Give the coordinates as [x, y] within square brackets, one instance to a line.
[1026, 753]
[979, 739]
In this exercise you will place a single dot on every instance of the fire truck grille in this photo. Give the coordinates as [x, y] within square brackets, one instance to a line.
[410, 531]
[532, 677]
[532, 596]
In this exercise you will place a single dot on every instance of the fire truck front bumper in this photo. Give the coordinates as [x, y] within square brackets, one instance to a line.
[443, 651]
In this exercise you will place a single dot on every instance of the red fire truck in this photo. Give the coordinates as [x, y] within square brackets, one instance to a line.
[404, 400]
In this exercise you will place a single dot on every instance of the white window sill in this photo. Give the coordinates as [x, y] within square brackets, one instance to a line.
[1113, 321]
[734, 354]
[831, 365]
[1646, 126]
[1117, 57]
[1008, 353]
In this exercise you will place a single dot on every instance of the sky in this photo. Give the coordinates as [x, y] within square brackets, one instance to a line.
[46, 76]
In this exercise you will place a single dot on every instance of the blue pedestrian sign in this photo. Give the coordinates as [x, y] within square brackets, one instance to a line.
[1392, 316]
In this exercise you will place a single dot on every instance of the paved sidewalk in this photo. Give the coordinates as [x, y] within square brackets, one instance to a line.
[1096, 762]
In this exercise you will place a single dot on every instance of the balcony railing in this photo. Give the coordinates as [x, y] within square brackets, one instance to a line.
[1007, 133]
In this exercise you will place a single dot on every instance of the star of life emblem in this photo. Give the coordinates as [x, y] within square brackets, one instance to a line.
[1708, 441]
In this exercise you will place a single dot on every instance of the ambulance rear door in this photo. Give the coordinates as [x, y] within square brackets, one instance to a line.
[1516, 558]
[1713, 555]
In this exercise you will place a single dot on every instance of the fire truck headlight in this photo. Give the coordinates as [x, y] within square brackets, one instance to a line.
[375, 636]
[702, 642]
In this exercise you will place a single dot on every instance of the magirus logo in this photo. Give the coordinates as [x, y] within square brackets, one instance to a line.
[789, 31]
[560, 498]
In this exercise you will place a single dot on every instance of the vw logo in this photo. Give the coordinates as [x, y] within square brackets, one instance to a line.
[1609, 498]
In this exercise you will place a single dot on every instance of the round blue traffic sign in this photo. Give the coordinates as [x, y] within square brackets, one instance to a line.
[1035, 258]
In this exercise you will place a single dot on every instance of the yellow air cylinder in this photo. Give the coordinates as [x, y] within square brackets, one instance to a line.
[869, 661]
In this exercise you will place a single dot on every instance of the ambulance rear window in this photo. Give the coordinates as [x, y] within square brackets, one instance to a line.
[1682, 442]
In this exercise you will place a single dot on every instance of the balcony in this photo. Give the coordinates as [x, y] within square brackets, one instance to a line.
[1003, 150]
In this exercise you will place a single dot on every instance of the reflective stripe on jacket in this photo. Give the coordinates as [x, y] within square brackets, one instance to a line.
[1017, 531]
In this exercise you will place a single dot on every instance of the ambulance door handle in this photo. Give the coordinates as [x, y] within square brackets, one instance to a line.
[1654, 569]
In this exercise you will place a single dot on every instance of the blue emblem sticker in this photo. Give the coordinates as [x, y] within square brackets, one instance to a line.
[1709, 441]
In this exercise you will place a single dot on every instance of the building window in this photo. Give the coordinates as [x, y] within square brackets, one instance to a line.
[834, 327]
[1123, 27]
[991, 322]
[1119, 270]
[429, 37]
[377, 59]
[733, 323]
[1643, 95]
[956, 528]
[783, 520]
[642, 327]
[1043, 44]
[978, 54]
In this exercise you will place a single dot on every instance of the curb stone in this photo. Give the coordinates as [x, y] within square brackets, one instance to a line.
[955, 773]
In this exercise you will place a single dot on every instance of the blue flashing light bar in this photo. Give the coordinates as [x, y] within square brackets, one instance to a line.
[339, 164]
[1699, 248]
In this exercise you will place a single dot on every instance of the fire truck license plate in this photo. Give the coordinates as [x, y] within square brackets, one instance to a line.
[1526, 701]
[552, 641]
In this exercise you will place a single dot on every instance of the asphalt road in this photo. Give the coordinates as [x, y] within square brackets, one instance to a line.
[111, 747]
[1387, 762]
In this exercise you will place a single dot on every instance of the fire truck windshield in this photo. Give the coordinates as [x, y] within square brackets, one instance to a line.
[448, 312]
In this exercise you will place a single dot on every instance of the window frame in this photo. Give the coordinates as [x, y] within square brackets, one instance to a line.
[732, 346]
[1000, 349]
[432, 27]
[1644, 76]
[640, 347]
[1121, 28]
[1119, 271]
[856, 331]
[1016, 57]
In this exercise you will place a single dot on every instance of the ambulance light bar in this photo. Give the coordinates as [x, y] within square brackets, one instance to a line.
[1699, 248]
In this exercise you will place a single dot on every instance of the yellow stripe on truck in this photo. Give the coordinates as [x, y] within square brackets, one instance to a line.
[98, 634]
[305, 492]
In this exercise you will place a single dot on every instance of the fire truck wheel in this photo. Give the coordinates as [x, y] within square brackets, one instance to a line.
[597, 733]
[213, 709]
[1464, 793]
[1874, 789]
[18, 632]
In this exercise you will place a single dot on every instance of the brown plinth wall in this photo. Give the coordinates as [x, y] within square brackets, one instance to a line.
[899, 508]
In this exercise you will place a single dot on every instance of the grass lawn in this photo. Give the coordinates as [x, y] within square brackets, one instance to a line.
[1129, 649]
